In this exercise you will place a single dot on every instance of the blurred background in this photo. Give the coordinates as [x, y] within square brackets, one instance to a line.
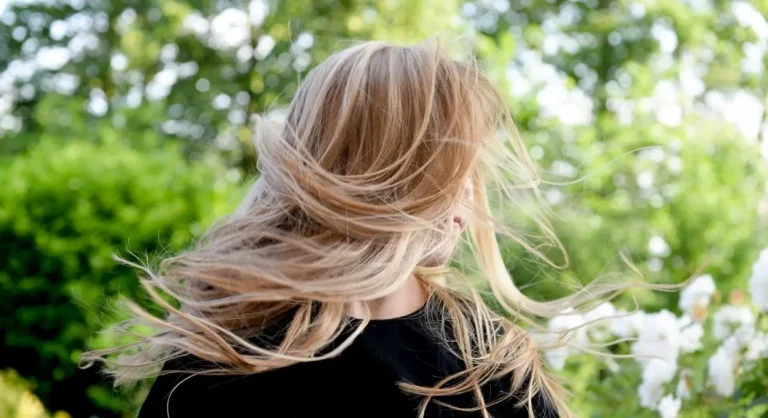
[125, 127]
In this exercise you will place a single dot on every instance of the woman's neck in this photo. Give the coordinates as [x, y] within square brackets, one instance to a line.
[409, 298]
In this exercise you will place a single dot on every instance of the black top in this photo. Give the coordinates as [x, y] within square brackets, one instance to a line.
[361, 383]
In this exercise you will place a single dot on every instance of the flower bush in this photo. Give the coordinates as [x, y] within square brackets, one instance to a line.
[710, 360]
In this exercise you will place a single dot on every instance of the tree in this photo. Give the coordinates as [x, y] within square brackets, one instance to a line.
[199, 68]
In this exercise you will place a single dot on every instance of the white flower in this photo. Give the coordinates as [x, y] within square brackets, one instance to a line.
[626, 325]
[557, 357]
[730, 318]
[721, 372]
[602, 311]
[757, 348]
[599, 319]
[697, 295]
[669, 407]
[568, 322]
[690, 337]
[758, 283]
[748, 344]
[740, 339]
[655, 374]
[564, 339]
[658, 337]
[684, 385]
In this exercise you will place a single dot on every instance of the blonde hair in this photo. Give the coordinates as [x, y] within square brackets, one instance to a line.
[351, 201]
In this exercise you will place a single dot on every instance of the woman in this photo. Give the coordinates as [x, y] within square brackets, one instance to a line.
[327, 293]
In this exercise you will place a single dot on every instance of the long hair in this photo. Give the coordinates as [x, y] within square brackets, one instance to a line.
[352, 199]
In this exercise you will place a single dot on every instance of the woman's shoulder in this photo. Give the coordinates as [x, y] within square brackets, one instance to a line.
[191, 386]
[179, 388]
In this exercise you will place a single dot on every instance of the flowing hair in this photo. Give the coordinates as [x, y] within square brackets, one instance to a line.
[354, 190]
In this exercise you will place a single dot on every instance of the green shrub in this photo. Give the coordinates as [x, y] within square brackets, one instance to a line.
[65, 208]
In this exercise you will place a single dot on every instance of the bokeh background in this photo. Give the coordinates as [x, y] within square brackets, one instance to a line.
[125, 127]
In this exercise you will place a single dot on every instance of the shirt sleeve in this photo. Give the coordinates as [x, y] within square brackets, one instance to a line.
[181, 391]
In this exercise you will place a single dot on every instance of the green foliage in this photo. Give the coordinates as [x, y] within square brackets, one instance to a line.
[95, 160]
[608, 385]
[689, 203]
[64, 210]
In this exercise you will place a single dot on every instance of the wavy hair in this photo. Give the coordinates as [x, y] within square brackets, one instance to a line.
[354, 190]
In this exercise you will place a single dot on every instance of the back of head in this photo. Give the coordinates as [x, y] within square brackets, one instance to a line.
[368, 165]
[355, 193]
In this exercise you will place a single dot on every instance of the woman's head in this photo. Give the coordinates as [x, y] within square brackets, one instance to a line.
[380, 143]
[387, 153]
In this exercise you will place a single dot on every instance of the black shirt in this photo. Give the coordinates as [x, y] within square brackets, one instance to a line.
[361, 382]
